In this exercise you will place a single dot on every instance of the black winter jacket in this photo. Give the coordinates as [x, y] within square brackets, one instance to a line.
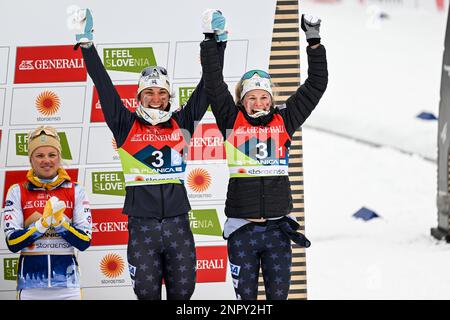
[153, 201]
[261, 196]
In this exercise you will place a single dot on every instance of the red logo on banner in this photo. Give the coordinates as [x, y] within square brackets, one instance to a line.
[49, 64]
[12, 177]
[109, 227]
[206, 143]
[127, 93]
[211, 264]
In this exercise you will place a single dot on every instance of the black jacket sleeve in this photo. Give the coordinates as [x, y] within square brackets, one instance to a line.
[299, 106]
[117, 116]
[222, 103]
[197, 105]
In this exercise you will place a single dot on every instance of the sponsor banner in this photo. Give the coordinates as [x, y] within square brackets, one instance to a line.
[126, 61]
[8, 271]
[47, 105]
[17, 155]
[187, 53]
[109, 227]
[184, 90]
[49, 64]
[206, 182]
[109, 268]
[4, 62]
[127, 93]
[211, 264]
[207, 222]
[206, 143]
[105, 186]
[104, 268]
[12, 177]
[10, 268]
[2, 103]
[102, 147]
[184, 93]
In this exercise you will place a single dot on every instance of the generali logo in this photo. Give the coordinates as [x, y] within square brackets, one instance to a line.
[49, 64]
[109, 227]
[211, 264]
[127, 94]
[206, 143]
[47, 103]
[199, 180]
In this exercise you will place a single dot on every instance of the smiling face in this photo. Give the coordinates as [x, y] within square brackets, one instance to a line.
[45, 162]
[155, 98]
[257, 100]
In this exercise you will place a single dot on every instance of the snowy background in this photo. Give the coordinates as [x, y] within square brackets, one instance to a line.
[364, 147]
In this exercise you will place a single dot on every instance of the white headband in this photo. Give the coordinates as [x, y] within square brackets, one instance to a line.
[256, 82]
[148, 82]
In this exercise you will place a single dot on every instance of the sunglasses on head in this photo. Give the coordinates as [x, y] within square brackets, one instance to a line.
[154, 70]
[48, 131]
[251, 73]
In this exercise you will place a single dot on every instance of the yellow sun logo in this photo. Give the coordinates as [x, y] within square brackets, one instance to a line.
[112, 265]
[199, 180]
[48, 103]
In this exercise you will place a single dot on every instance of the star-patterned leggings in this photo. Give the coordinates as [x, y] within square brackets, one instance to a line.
[252, 246]
[161, 250]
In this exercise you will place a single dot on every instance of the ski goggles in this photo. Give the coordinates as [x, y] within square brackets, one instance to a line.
[48, 131]
[154, 71]
[251, 73]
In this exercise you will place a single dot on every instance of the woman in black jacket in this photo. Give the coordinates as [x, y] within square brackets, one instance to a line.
[152, 146]
[257, 139]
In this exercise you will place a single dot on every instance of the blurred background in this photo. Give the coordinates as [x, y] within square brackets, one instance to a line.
[366, 148]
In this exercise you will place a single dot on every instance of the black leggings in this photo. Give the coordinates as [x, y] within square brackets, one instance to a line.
[252, 246]
[160, 250]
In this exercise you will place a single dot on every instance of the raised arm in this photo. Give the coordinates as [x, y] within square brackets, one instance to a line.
[299, 106]
[198, 103]
[118, 118]
[212, 59]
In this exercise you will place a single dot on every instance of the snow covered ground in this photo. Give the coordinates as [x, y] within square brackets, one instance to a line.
[382, 74]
